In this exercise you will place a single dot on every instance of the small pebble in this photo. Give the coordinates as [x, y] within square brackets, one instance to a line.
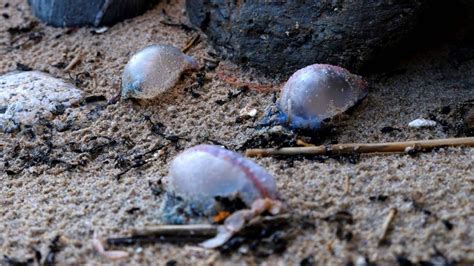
[317, 93]
[421, 122]
[154, 70]
[26, 97]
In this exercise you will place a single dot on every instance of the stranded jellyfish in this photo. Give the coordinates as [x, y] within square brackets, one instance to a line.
[201, 175]
[154, 70]
[318, 93]
[204, 172]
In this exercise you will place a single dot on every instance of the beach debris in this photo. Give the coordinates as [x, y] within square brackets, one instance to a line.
[351, 148]
[248, 112]
[76, 60]
[100, 30]
[386, 225]
[239, 219]
[318, 93]
[208, 180]
[109, 254]
[193, 41]
[263, 233]
[154, 70]
[26, 97]
[421, 122]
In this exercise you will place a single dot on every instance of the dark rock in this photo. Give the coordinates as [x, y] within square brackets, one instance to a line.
[283, 36]
[67, 13]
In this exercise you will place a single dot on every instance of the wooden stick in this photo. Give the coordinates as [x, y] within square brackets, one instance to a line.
[178, 230]
[386, 225]
[74, 62]
[351, 148]
[190, 43]
[190, 233]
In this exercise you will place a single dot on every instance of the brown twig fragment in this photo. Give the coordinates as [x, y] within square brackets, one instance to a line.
[347, 184]
[351, 148]
[303, 143]
[74, 62]
[386, 225]
[178, 230]
[191, 43]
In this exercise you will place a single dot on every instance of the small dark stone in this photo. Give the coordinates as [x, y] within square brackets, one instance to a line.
[95, 98]
[133, 210]
[388, 129]
[171, 263]
[68, 13]
[59, 109]
[445, 110]
[308, 261]
[5, 16]
[402, 261]
[22, 67]
[448, 225]
[380, 198]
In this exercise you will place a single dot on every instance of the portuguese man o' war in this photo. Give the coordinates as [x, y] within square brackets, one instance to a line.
[316, 94]
[154, 70]
[201, 175]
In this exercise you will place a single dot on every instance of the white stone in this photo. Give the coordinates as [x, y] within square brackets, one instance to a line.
[28, 96]
[421, 122]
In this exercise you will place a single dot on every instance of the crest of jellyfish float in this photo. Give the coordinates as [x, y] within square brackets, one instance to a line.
[154, 70]
[200, 174]
[317, 93]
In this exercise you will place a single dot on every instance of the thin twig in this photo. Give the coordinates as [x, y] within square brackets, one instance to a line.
[74, 62]
[386, 225]
[191, 43]
[178, 230]
[347, 185]
[303, 143]
[189, 233]
[351, 148]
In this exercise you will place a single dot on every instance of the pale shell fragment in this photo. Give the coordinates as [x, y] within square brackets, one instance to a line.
[421, 122]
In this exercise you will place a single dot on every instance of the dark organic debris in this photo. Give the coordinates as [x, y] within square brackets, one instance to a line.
[381, 198]
[449, 226]
[95, 98]
[403, 261]
[308, 261]
[156, 188]
[23, 67]
[389, 129]
[232, 94]
[23, 28]
[54, 248]
[264, 237]
[133, 210]
[171, 263]
[9, 261]
[340, 217]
